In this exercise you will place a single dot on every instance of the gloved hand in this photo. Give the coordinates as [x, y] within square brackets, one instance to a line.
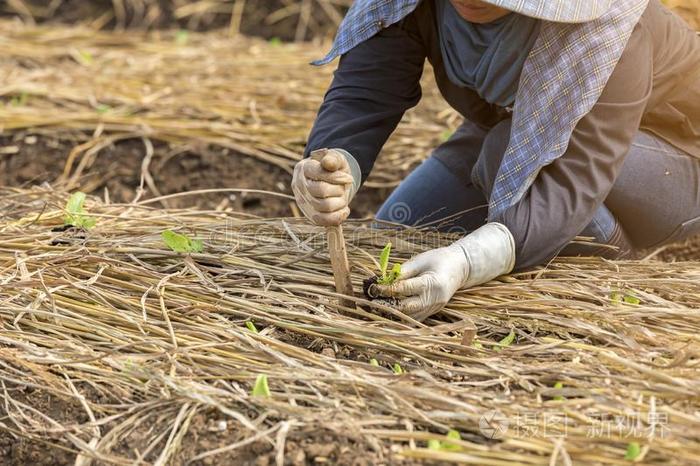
[429, 280]
[324, 185]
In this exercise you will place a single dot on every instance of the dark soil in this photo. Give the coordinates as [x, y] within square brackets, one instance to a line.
[34, 159]
[18, 450]
[208, 430]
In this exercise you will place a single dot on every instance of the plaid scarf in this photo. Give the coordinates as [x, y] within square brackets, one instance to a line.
[562, 79]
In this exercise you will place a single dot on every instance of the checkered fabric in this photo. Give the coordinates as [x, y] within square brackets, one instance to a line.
[564, 11]
[563, 77]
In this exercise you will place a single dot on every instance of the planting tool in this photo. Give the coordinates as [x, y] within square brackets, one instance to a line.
[336, 247]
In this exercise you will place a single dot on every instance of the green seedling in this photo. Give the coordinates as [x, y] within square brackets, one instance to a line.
[374, 362]
[505, 342]
[261, 388]
[181, 37]
[618, 297]
[76, 214]
[446, 446]
[85, 57]
[387, 277]
[398, 370]
[275, 41]
[251, 326]
[633, 451]
[103, 108]
[19, 100]
[181, 243]
[559, 397]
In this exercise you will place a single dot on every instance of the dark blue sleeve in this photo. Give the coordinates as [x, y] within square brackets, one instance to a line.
[375, 83]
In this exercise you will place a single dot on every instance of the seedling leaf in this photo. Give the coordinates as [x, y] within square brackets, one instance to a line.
[633, 451]
[85, 222]
[261, 388]
[395, 273]
[559, 385]
[384, 277]
[181, 37]
[397, 369]
[629, 299]
[74, 206]
[384, 260]
[20, 100]
[86, 57]
[181, 243]
[438, 445]
[506, 341]
[618, 297]
[374, 362]
[275, 41]
[75, 213]
[251, 327]
[453, 435]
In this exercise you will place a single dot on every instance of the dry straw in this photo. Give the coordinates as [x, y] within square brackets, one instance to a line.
[313, 17]
[140, 336]
[254, 97]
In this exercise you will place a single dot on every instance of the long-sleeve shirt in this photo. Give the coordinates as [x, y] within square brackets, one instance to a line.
[655, 87]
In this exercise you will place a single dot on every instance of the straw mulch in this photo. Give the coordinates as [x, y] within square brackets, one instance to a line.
[288, 19]
[300, 18]
[688, 9]
[141, 342]
[253, 97]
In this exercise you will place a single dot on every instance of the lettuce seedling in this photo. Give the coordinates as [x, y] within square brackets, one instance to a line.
[19, 100]
[505, 342]
[386, 276]
[181, 37]
[261, 388]
[633, 451]
[75, 213]
[251, 326]
[374, 362]
[559, 385]
[398, 370]
[618, 297]
[181, 243]
[446, 446]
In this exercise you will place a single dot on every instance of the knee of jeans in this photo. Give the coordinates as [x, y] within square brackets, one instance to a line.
[393, 212]
[489, 163]
[602, 226]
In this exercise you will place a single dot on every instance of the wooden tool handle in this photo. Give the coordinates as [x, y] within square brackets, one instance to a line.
[338, 252]
[340, 264]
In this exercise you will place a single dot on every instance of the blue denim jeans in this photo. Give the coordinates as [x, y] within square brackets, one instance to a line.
[651, 207]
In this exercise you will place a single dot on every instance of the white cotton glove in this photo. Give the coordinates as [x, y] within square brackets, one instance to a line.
[429, 280]
[324, 185]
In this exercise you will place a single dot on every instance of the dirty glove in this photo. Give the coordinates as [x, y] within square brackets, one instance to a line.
[324, 185]
[429, 280]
